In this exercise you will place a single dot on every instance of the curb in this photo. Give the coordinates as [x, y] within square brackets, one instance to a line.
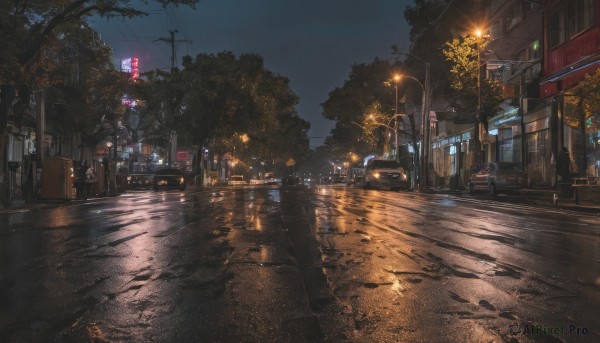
[531, 197]
[579, 208]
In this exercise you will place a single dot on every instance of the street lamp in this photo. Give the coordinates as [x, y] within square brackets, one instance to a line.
[420, 160]
[478, 132]
[397, 78]
[426, 132]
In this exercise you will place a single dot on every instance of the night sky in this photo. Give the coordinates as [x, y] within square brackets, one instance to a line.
[312, 42]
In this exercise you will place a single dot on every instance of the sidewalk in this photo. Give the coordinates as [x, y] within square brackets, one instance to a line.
[541, 197]
[21, 205]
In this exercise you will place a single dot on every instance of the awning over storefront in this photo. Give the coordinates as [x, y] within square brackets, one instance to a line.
[569, 76]
[583, 63]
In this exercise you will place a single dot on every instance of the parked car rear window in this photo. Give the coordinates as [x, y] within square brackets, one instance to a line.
[384, 164]
[168, 171]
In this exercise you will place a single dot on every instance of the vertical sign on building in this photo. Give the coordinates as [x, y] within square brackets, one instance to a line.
[126, 65]
[135, 72]
[131, 66]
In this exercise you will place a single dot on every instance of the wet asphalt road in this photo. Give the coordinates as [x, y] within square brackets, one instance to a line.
[298, 264]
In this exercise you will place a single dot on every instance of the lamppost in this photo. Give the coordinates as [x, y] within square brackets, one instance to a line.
[420, 161]
[478, 132]
[426, 132]
[397, 78]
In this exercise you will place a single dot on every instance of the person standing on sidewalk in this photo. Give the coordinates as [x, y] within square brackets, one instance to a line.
[563, 161]
[80, 181]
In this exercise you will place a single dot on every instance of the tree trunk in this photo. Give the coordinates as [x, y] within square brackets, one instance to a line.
[5, 174]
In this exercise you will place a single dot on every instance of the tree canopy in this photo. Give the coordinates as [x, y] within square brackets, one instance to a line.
[37, 36]
[228, 102]
[466, 79]
[585, 104]
[367, 91]
[433, 23]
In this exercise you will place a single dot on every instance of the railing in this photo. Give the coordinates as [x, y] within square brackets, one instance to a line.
[586, 189]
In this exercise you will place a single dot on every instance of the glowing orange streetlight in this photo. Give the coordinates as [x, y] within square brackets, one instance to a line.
[397, 78]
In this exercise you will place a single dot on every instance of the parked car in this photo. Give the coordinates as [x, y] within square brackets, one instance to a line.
[165, 178]
[497, 177]
[384, 173]
[236, 180]
[340, 178]
[291, 180]
[270, 179]
[140, 181]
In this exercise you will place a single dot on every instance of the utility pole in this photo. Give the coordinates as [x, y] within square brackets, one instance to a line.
[427, 129]
[172, 41]
[397, 79]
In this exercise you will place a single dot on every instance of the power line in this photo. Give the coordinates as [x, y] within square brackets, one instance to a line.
[172, 14]
[141, 41]
[444, 11]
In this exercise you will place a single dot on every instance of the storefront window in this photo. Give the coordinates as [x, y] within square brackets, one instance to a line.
[506, 145]
[539, 156]
[593, 156]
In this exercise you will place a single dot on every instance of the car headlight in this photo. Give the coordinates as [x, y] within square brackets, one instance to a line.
[403, 176]
[376, 175]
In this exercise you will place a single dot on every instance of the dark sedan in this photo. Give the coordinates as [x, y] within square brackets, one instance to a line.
[169, 178]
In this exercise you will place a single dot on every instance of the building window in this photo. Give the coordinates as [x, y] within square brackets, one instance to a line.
[580, 16]
[529, 6]
[557, 28]
[514, 15]
[495, 71]
[588, 13]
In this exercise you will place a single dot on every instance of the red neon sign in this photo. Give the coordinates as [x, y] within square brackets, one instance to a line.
[135, 73]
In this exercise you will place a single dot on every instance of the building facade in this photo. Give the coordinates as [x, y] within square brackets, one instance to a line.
[572, 51]
[540, 51]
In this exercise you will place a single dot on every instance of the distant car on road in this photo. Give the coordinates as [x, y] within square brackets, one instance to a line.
[270, 179]
[384, 173]
[291, 180]
[140, 181]
[236, 180]
[497, 177]
[168, 178]
[341, 178]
